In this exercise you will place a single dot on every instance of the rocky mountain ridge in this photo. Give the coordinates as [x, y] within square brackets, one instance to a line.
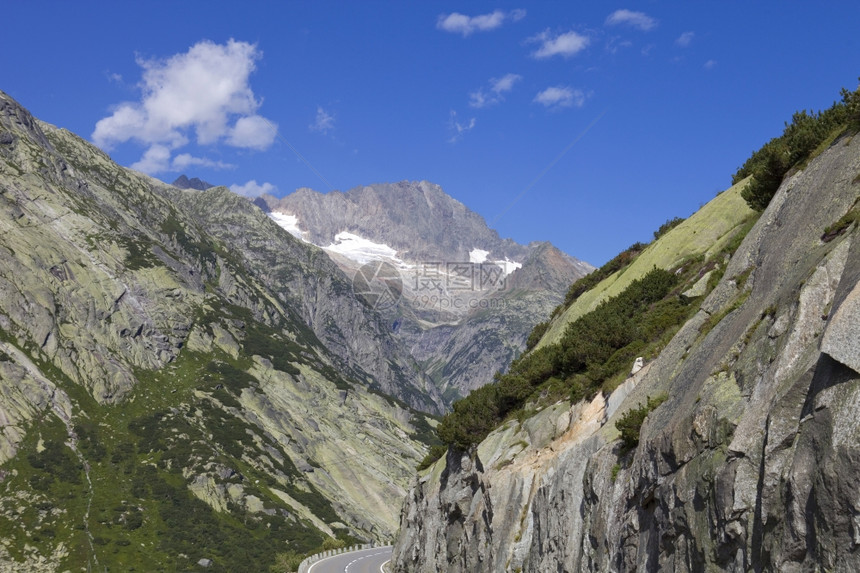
[417, 219]
[750, 464]
[466, 299]
[180, 379]
[183, 182]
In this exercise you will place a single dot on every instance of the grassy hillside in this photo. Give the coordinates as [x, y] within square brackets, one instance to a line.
[705, 233]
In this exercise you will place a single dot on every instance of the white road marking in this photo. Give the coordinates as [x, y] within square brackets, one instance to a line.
[346, 569]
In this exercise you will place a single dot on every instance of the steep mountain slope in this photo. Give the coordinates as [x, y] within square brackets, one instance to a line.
[750, 464]
[180, 379]
[466, 298]
[703, 234]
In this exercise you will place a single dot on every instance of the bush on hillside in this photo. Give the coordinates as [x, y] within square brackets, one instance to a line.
[668, 226]
[589, 281]
[536, 334]
[799, 141]
[630, 424]
[594, 348]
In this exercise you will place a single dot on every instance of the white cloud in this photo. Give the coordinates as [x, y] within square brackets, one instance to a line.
[459, 129]
[253, 189]
[638, 20]
[685, 39]
[556, 97]
[517, 14]
[255, 132]
[565, 45]
[457, 23]
[616, 44]
[710, 64]
[155, 160]
[494, 94]
[186, 160]
[479, 99]
[504, 83]
[324, 121]
[203, 92]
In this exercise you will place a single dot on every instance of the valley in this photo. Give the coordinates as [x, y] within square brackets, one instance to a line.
[202, 377]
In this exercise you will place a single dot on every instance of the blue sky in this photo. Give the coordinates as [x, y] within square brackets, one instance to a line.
[585, 124]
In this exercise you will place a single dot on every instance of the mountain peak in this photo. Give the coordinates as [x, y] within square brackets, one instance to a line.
[466, 298]
[183, 182]
[416, 218]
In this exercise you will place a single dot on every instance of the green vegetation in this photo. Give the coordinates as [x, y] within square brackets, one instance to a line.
[55, 462]
[425, 432]
[668, 226]
[141, 455]
[287, 562]
[631, 422]
[840, 226]
[434, 454]
[589, 281]
[801, 140]
[595, 350]
[139, 255]
[536, 334]
[595, 353]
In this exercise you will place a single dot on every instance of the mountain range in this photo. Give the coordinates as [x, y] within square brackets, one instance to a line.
[178, 373]
[191, 380]
[465, 300]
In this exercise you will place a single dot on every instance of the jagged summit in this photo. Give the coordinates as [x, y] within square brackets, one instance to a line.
[416, 218]
[183, 182]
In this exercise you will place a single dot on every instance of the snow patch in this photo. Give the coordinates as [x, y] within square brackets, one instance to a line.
[290, 223]
[361, 250]
[478, 256]
[508, 266]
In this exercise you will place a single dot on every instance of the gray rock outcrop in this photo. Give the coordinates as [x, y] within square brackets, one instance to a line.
[751, 464]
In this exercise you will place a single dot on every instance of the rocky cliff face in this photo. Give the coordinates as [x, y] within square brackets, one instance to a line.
[751, 464]
[179, 376]
[468, 299]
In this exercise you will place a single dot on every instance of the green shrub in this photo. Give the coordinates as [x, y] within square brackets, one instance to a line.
[767, 175]
[56, 461]
[330, 543]
[631, 422]
[287, 562]
[839, 227]
[801, 140]
[668, 226]
[851, 101]
[536, 334]
[596, 347]
[434, 454]
[589, 281]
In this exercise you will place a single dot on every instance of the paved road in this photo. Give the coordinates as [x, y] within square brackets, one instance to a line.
[364, 561]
